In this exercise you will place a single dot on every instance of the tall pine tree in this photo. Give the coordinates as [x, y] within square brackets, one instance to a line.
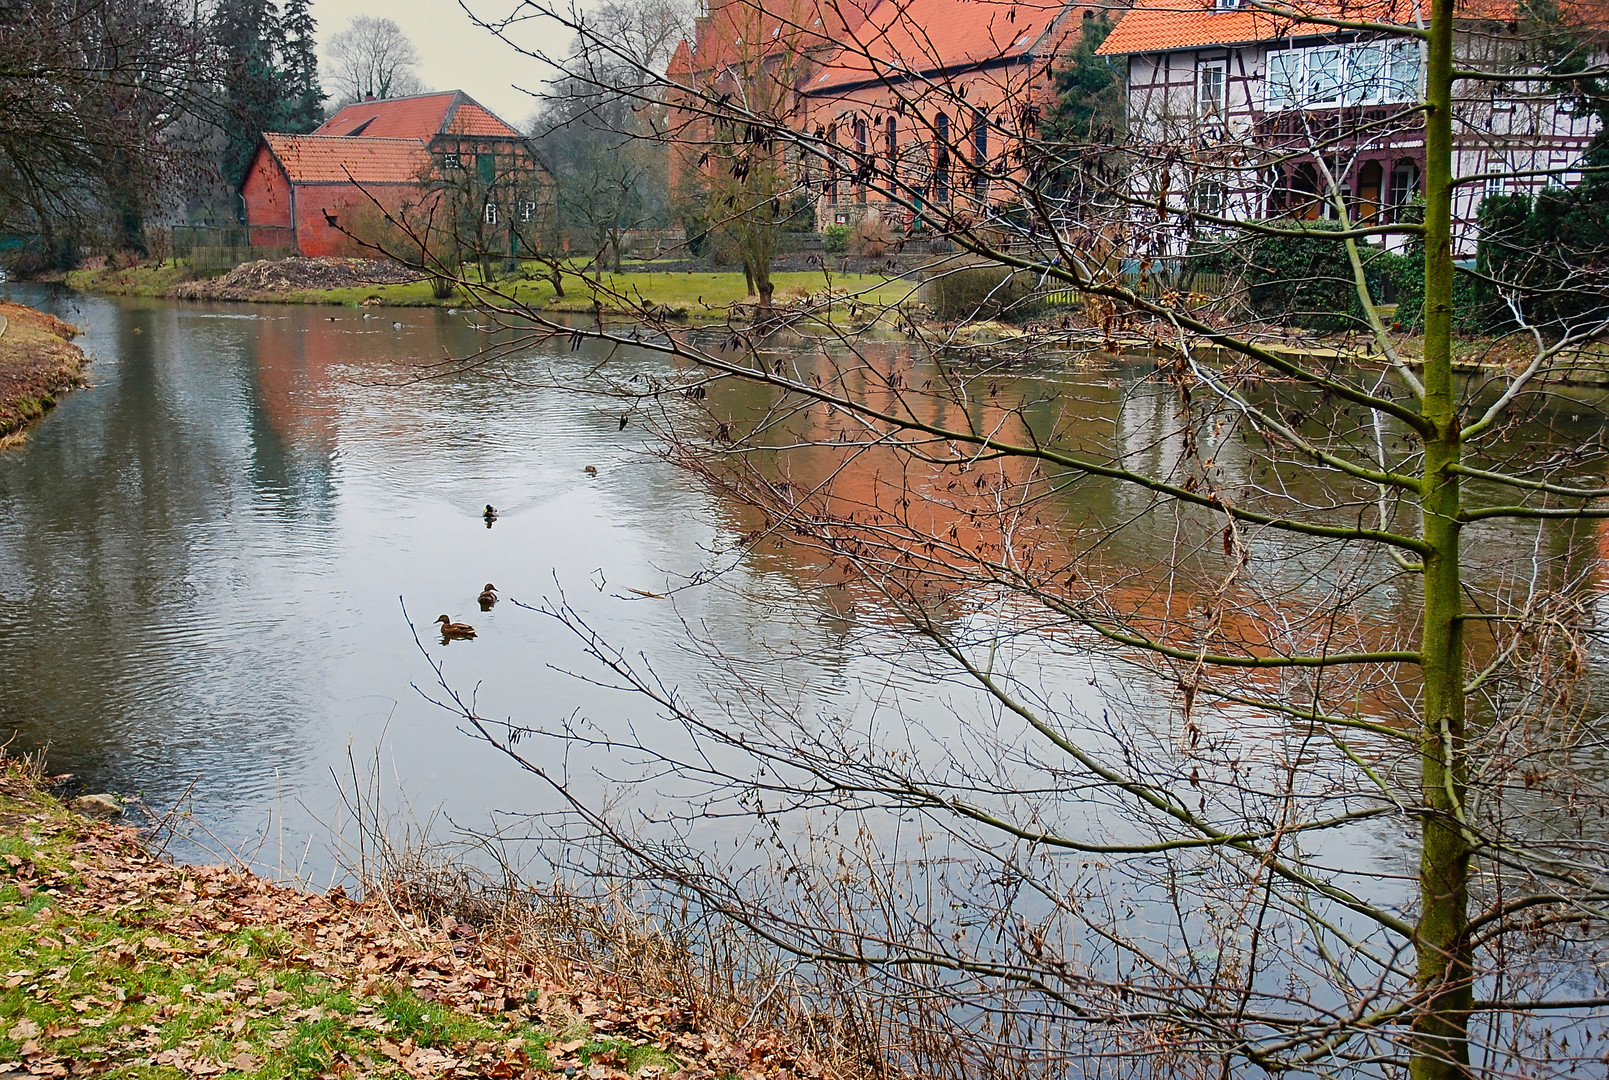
[270, 76]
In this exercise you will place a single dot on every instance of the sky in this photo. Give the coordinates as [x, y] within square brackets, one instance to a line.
[456, 54]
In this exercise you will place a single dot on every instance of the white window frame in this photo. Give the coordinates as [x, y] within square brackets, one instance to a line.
[1321, 76]
[527, 211]
[1364, 73]
[491, 213]
[1212, 88]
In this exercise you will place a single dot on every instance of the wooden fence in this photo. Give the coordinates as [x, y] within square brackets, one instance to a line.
[1203, 288]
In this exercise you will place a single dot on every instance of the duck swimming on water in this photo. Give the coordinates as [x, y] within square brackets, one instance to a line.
[490, 514]
[487, 597]
[454, 630]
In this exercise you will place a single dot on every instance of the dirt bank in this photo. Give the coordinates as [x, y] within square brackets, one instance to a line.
[115, 962]
[271, 279]
[38, 361]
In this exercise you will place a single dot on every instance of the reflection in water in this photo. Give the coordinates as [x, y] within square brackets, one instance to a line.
[202, 558]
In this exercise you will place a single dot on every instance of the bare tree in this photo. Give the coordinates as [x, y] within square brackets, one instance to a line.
[372, 58]
[1334, 806]
[106, 107]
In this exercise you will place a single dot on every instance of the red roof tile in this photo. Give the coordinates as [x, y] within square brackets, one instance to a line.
[1160, 25]
[900, 37]
[422, 117]
[312, 159]
[472, 119]
[419, 117]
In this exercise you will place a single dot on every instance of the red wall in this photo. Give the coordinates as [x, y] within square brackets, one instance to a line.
[267, 194]
[349, 204]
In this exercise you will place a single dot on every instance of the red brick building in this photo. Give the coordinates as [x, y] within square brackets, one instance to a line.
[938, 93]
[311, 192]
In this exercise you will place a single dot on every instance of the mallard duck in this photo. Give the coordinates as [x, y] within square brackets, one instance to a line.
[450, 629]
[490, 513]
[487, 597]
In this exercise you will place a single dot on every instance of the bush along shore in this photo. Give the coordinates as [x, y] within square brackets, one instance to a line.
[115, 962]
[38, 362]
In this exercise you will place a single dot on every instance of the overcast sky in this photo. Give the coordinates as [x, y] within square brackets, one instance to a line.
[456, 54]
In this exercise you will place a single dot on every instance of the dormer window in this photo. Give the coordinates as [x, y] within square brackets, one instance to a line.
[1227, 5]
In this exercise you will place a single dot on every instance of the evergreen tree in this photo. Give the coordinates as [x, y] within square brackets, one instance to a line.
[269, 68]
[303, 97]
[1081, 130]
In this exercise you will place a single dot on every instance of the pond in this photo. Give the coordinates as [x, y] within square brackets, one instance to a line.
[215, 563]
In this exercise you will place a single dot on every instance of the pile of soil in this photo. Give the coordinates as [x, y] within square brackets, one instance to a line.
[252, 280]
[37, 362]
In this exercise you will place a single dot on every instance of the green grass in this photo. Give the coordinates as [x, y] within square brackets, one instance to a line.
[119, 989]
[699, 295]
[139, 280]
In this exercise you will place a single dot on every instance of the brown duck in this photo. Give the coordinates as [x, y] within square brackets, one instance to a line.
[450, 629]
[487, 597]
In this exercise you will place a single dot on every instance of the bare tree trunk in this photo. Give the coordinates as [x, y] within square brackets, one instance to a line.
[1441, 1046]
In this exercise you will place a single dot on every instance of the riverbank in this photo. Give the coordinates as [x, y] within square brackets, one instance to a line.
[38, 362]
[695, 295]
[115, 962]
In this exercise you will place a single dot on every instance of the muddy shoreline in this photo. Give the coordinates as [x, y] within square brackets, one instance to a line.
[38, 363]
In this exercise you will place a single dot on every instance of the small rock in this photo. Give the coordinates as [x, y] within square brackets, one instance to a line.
[102, 805]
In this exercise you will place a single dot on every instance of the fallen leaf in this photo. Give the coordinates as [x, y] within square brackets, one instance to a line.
[24, 1029]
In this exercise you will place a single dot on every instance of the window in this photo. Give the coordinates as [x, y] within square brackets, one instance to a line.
[452, 161]
[491, 213]
[1404, 184]
[1210, 79]
[1365, 73]
[891, 146]
[1283, 82]
[527, 211]
[1209, 198]
[486, 166]
[1496, 185]
[1326, 74]
[1402, 71]
[941, 159]
[980, 155]
[861, 146]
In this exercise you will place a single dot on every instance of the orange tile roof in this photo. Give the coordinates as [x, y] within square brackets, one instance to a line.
[1161, 25]
[422, 117]
[313, 159]
[472, 119]
[743, 31]
[901, 37]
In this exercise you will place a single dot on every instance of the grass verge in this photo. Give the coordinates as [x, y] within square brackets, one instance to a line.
[116, 963]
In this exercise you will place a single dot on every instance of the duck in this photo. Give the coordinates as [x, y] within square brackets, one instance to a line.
[591, 470]
[396, 326]
[487, 597]
[454, 630]
[490, 513]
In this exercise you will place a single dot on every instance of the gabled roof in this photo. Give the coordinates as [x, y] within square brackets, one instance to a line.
[899, 38]
[313, 159]
[743, 32]
[423, 116]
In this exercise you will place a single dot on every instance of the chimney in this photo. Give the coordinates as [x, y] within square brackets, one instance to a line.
[368, 97]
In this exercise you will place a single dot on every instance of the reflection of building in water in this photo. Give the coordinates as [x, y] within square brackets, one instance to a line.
[881, 524]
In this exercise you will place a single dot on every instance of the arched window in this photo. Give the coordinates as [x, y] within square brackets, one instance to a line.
[941, 159]
[891, 147]
[862, 146]
[830, 188]
[980, 155]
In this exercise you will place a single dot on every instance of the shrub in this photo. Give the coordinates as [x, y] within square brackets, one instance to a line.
[980, 292]
[835, 238]
[871, 237]
[1305, 281]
